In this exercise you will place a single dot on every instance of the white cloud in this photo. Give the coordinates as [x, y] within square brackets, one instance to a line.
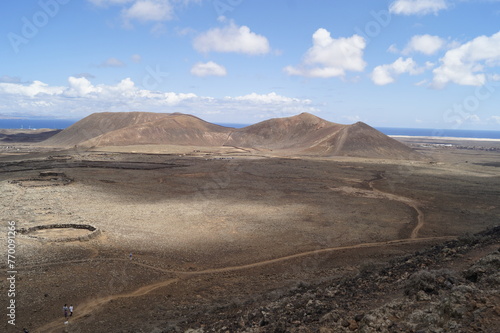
[271, 98]
[112, 62]
[136, 58]
[270, 105]
[352, 118]
[422, 83]
[104, 3]
[466, 64]
[185, 31]
[393, 49]
[36, 88]
[385, 74]
[80, 98]
[208, 69]
[149, 10]
[417, 7]
[329, 57]
[474, 118]
[425, 44]
[495, 119]
[145, 10]
[158, 29]
[231, 38]
[79, 87]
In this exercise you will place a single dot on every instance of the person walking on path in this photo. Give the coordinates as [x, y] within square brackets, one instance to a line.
[71, 310]
[65, 310]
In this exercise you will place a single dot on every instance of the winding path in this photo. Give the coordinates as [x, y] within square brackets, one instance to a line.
[376, 193]
[408, 201]
[91, 305]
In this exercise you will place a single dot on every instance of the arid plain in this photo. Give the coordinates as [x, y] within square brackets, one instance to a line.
[186, 230]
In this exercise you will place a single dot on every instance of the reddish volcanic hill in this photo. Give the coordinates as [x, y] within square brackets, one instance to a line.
[299, 132]
[100, 123]
[174, 129]
[304, 134]
[361, 140]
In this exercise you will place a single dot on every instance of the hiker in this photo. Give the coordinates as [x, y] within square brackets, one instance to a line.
[65, 309]
[71, 310]
[25, 330]
[130, 255]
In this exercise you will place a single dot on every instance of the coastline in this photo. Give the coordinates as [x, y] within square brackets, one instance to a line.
[447, 138]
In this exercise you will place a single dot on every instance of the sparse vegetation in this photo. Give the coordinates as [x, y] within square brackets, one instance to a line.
[231, 239]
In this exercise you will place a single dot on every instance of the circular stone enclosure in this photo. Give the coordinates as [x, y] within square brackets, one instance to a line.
[45, 178]
[61, 232]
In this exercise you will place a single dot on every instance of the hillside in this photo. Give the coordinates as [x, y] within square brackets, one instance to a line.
[99, 123]
[174, 129]
[299, 132]
[361, 140]
[307, 134]
[303, 134]
[451, 287]
[26, 135]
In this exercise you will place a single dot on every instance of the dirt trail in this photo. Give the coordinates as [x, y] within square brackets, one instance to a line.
[420, 222]
[314, 252]
[408, 201]
[246, 266]
[90, 306]
[376, 193]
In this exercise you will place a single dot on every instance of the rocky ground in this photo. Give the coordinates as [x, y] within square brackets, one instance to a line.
[241, 241]
[452, 287]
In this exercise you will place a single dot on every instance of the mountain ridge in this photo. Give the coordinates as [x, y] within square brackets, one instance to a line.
[302, 134]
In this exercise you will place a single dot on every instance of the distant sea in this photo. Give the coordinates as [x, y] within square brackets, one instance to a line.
[37, 123]
[453, 133]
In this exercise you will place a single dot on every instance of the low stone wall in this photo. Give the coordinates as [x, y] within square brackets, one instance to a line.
[46, 178]
[93, 232]
[41, 182]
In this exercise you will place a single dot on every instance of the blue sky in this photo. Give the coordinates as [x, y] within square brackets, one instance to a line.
[389, 63]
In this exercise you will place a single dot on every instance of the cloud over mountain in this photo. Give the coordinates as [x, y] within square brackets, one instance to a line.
[81, 97]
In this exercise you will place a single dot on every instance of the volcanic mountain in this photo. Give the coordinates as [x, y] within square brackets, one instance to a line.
[100, 123]
[172, 129]
[297, 132]
[304, 134]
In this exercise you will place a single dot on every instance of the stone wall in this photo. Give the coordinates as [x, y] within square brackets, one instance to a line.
[93, 232]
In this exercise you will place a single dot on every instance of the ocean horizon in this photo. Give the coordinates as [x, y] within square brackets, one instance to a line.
[396, 131]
